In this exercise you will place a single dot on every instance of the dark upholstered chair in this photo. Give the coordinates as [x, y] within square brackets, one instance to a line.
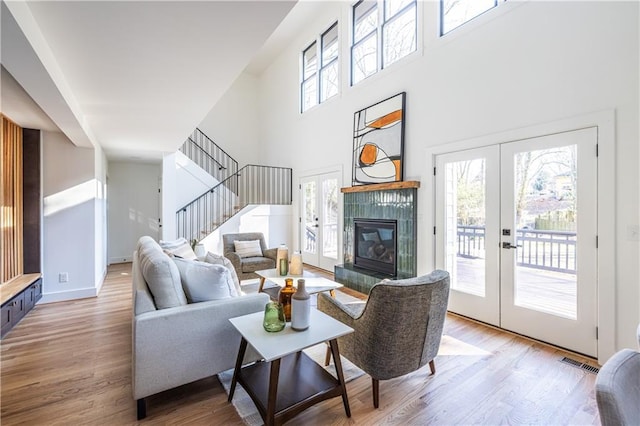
[618, 389]
[397, 330]
[246, 267]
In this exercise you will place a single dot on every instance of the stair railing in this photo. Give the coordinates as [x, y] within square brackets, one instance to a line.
[252, 184]
[209, 156]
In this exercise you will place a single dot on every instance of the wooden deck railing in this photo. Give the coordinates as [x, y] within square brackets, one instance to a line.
[540, 249]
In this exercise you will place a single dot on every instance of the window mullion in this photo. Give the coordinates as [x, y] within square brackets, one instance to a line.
[319, 70]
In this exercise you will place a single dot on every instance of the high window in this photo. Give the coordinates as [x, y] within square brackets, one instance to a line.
[320, 78]
[454, 13]
[384, 31]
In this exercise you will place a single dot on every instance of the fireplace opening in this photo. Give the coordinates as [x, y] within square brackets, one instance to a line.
[375, 245]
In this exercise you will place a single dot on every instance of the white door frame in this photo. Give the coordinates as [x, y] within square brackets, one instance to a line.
[315, 172]
[605, 123]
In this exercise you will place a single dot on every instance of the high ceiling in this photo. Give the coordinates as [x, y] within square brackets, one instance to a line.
[135, 77]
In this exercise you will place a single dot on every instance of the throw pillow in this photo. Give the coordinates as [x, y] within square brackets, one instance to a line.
[248, 248]
[203, 281]
[179, 248]
[217, 259]
[161, 275]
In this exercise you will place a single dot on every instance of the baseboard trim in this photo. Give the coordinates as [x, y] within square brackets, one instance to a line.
[61, 296]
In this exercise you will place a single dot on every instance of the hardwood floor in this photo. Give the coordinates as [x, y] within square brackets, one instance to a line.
[70, 363]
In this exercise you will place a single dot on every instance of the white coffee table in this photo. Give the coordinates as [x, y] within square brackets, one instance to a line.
[287, 381]
[314, 283]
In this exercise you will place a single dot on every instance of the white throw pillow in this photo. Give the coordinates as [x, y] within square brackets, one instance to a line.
[203, 281]
[161, 275]
[248, 248]
[179, 248]
[217, 259]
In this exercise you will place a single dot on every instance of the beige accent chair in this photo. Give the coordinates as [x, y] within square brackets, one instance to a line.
[246, 267]
[397, 330]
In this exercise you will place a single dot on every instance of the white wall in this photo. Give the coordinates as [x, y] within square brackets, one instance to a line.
[70, 217]
[192, 180]
[519, 65]
[134, 206]
[272, 221]
[100, 216]
[233, 123]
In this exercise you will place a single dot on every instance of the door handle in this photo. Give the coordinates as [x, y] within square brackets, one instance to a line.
[509, 246]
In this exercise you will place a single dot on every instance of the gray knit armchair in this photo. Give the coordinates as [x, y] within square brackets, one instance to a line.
[397, 330]
[246, 267]
[618, 389]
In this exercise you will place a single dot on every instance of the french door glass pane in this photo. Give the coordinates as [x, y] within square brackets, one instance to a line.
[465, 203]
[330, 218]
[310, 214]
[546, 222]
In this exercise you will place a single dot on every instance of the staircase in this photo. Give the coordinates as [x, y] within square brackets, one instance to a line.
[252, 184]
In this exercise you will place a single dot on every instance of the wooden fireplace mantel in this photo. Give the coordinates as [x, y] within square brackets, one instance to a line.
[382, 186]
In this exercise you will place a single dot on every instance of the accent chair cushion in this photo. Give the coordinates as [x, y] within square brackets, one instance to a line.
[216, 259]
[252, 264]
[246, 249]
[161, 275]
[179, 248]
[203, 281]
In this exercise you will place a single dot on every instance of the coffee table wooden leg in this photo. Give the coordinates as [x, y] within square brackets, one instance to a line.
[262, 280]
[336, 360]
[273, 392]
[236, 371]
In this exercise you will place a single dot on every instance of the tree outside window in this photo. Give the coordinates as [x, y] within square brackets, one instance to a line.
[384, 31]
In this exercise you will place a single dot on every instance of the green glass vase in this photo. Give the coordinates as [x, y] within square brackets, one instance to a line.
[273, 317]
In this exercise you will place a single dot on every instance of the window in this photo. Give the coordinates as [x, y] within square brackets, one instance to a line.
[384, 31]
[309, 77]
[454, 13]
[329, 69]
[320, 79]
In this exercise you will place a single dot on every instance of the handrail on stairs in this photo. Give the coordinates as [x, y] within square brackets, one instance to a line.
[253, 184]
[208, 155]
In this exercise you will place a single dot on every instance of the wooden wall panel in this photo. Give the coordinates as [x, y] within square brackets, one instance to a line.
[11, 198]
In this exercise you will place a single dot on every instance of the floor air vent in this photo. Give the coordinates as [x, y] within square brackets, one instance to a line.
[578, 364]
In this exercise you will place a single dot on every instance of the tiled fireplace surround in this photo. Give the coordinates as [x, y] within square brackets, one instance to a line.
[397, 201]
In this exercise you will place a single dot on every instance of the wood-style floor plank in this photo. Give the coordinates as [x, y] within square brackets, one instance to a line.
[70, 363]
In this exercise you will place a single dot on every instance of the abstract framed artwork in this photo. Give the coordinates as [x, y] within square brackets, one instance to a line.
[378, 142]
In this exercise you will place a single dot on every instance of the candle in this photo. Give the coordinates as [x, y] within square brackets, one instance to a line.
[296, 264]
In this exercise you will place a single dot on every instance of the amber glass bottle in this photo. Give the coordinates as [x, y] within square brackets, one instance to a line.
[284, 297]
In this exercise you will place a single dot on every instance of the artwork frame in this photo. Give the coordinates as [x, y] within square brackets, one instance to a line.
[378, 142]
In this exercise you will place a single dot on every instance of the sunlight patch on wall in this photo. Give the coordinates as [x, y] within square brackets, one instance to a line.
[70, 197]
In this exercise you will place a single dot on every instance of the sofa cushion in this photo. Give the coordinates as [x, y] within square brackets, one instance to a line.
[179, 248]
[161, 274]
[217, 259]
[246, 249]
[203, 281]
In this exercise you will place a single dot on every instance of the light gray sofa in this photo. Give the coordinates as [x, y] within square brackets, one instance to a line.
[178, 345]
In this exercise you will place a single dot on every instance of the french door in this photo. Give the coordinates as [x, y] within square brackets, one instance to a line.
[319, 219]
[516, 228]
